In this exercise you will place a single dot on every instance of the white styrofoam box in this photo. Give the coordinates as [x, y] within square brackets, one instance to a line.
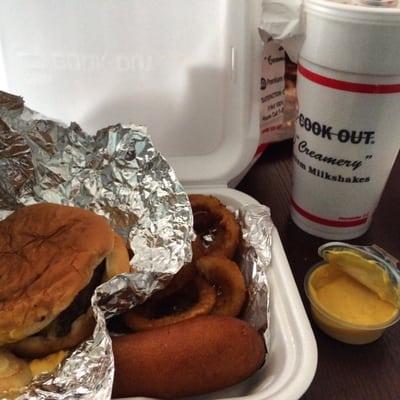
[187, 69]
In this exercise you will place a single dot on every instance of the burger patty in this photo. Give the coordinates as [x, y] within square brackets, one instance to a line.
[61, 326]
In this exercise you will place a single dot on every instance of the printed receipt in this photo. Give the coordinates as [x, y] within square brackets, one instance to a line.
[272, 90]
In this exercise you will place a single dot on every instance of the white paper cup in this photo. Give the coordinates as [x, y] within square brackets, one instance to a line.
[348, 128]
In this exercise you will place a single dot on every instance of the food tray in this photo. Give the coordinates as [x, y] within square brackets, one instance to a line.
[292, 361]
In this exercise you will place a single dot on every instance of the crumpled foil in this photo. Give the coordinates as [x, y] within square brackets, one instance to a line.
[255, 257]
[119, 174]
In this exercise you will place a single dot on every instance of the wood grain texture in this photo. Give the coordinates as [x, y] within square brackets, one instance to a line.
[344, 371]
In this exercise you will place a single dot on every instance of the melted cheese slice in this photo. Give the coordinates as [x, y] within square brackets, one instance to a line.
[47, 364]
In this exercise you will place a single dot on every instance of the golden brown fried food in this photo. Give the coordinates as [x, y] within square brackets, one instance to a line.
[196, 356]
[195, 299]
[186, 274]
[226, 276]
[217, 230]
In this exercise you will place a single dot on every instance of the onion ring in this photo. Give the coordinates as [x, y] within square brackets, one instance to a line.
[147, 315]
[226, 276]
[178, 281]
[212, 217]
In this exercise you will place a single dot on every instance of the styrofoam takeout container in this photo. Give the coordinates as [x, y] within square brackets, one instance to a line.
[187, 69]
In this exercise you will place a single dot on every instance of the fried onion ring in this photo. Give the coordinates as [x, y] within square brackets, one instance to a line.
[155, 313]
[186, 274]
[212, 218]
[226, 276]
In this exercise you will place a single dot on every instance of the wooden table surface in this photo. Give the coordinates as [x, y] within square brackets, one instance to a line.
[344, 371]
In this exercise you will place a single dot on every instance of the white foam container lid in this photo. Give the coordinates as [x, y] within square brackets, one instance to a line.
[189, 71]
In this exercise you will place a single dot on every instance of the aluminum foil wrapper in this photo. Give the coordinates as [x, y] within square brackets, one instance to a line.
[119, 174]
[255, 259]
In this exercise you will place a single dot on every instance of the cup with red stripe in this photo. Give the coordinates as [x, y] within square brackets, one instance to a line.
[348, 128]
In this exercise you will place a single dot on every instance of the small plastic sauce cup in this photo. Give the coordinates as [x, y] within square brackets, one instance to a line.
[335, 327]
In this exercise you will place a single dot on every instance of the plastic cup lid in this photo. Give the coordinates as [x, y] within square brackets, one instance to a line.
[376, 3]
[368, 11]
[374, 253]
[365, 3]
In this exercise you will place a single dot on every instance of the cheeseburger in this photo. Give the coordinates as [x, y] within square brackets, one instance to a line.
[52, 259]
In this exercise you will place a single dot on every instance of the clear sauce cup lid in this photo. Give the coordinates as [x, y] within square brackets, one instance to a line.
[375, 253]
